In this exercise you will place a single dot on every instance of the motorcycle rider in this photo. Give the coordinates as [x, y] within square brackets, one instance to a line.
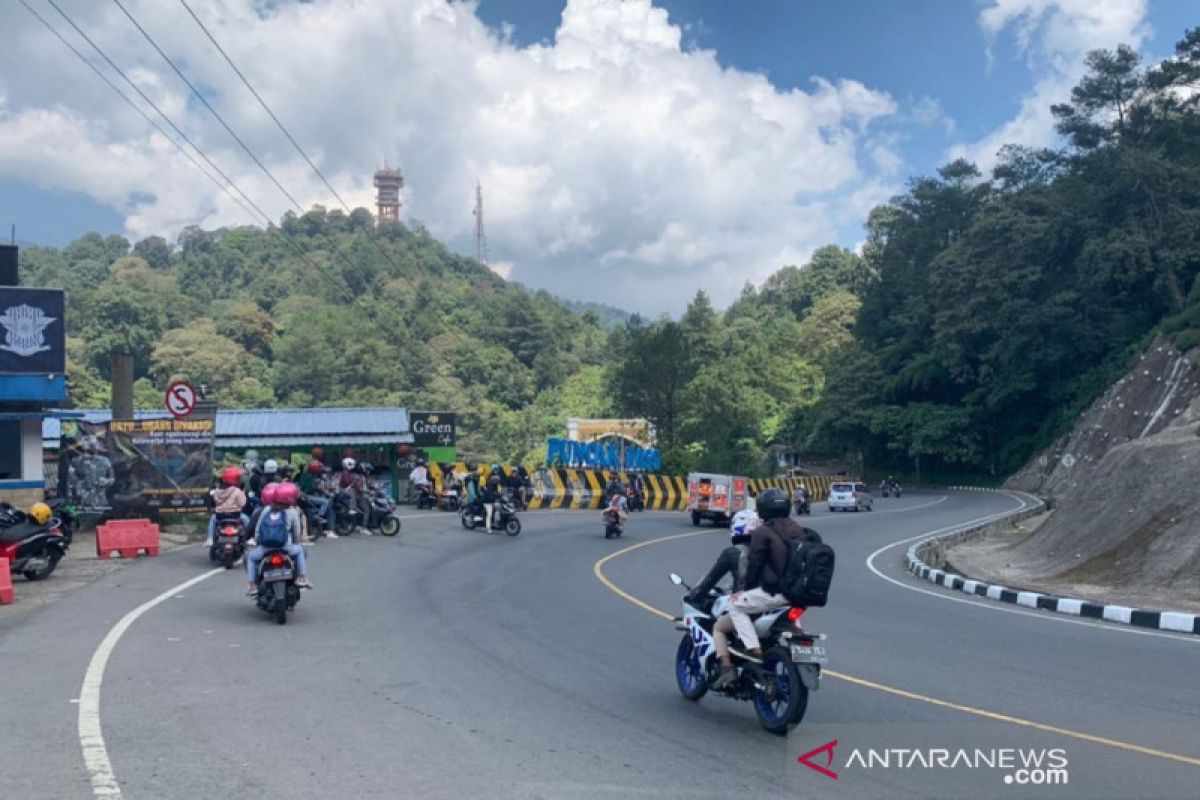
[277, 499]
[354, 481]
[516, 487]
[229, 499]
[734, 561]
[618, 510]
[418, 479]
[636, 488]
[770, 544]
[471, 487]
[490, 495]
[310, 484]
[614, 487]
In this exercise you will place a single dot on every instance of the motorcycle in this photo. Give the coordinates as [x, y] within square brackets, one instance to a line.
[636, 501]
[67, 514]
[229, 544]
[449, 500]
[612, 525]
[276, 582]
[504, 516]
[778, 687]
[425, 498]
[31, 549]
[890, 489]
[802, 503]
[316, 524]
[347, 517]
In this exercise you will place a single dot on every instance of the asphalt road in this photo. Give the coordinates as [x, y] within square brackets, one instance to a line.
[448, 663]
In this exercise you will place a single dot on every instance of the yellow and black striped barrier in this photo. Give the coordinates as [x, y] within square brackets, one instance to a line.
[576, 489]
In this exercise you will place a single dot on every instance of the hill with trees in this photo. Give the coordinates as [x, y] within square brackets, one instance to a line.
[984, 313]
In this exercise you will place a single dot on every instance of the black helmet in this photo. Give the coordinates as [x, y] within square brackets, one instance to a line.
[772, 504]
[471, 466]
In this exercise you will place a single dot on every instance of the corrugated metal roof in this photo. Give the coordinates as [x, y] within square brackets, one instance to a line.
[284, 425]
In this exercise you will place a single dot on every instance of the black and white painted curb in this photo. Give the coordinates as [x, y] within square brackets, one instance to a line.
[1144, 618]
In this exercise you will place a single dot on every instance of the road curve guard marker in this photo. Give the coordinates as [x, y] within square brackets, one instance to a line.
[6, 585]
[1143, 618]
[126, 537]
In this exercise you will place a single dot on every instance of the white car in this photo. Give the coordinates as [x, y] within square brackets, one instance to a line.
[847, 496]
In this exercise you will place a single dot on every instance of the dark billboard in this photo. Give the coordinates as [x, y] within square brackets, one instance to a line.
[32, 332]
[433, 428]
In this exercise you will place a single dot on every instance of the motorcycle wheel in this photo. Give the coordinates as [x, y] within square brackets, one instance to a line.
[280, 604]
[512, 527]
[228, 560]
[688, 677]
[467, 519]
[783, 699]
[389, 525]
[43, 572]
[344, 526]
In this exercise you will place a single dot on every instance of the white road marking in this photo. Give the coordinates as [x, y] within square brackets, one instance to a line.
[1048, 616]
[91, 736]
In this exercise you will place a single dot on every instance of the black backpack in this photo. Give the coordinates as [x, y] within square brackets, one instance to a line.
[809, 571]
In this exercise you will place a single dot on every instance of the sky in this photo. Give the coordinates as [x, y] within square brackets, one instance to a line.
[630, 152]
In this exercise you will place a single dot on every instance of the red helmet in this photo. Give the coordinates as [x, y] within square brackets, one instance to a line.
[269, 493]
[315, 467]
[231, 476]
[287, 494]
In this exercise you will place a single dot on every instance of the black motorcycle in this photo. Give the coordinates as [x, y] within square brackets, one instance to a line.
[637, 501]
[802, 503]
[32, 549]
[276, 582]
[425, 497]
[612, 525]
[347, 517]
[229, 543]
[504, 516]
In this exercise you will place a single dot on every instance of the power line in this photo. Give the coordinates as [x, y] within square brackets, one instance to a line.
[137, 108]
[262, 214]
[283, 129]
[225, 125]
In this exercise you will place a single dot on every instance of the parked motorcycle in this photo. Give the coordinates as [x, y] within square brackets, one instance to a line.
[229, 544]
[504, 517]
[778, 687]
[276, 582]
[32, 550]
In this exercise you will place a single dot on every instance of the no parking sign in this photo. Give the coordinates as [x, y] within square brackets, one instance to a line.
[180, 399]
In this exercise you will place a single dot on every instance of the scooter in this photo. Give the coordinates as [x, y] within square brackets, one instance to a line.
[31, 549]
[504, 517]
[636, 501]
[276, 581]
[612, 525]
[229, 544]
[347, 516]
[449, 500]
[425, 498]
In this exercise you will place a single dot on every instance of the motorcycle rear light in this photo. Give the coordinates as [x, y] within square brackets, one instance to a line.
[795, 614]
[276, 560]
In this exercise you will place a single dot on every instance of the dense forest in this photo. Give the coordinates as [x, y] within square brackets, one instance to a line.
[982, 314]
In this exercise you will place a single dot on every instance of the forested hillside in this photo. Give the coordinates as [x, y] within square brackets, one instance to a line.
[984, 312]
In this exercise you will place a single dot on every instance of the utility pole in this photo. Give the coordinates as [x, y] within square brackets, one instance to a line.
[481, 246]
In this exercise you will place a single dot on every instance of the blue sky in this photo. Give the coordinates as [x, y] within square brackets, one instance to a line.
[563, 122]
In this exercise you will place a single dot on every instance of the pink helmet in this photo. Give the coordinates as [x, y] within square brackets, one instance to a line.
[269, 493]
[287, 494]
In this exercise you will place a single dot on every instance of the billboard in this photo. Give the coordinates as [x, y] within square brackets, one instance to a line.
[137, 468]
[433, 428]
[32, 332]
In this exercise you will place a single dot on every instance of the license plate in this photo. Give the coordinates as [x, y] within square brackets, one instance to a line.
[277, 575]
[229, 539]
[809, 654]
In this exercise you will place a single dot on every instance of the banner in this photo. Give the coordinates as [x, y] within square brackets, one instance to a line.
[134, 469]
[432, 428]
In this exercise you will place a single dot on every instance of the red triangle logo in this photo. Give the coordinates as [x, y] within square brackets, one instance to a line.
[827, 749]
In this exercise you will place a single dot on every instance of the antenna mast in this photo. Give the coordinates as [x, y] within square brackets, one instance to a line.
[481, 245]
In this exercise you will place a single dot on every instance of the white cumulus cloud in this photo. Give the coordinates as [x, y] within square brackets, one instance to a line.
[617, 163]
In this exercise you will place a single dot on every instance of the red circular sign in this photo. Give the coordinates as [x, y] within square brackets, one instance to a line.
[180, 399]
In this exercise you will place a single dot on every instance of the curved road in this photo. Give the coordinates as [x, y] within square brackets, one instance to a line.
[448, 663]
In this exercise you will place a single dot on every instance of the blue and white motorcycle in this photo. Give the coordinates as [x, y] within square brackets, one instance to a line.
[778, 687]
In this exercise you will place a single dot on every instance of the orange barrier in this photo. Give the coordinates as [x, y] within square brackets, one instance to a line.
[6, 587]
[126, 537]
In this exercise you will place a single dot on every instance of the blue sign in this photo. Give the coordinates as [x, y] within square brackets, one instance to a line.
[33, 332]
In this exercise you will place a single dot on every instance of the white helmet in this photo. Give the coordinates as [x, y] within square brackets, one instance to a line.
[743, 523]
[349, 463]
[270, 466]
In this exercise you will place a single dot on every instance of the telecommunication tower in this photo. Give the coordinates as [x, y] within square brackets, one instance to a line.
[388, 183]
[481, 245]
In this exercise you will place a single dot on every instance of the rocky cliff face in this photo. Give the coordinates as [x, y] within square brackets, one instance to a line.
[1126, 483]
[1160, 391]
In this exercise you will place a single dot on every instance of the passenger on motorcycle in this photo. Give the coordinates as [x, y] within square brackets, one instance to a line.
[312, 486]
[618, 510]
[471, 488]
[734, 561]
[276, 529]
[490, 495]
[418, 479]
[769, 546]
[229, 499]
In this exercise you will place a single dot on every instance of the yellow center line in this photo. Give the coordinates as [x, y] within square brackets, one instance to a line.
[598, 571]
